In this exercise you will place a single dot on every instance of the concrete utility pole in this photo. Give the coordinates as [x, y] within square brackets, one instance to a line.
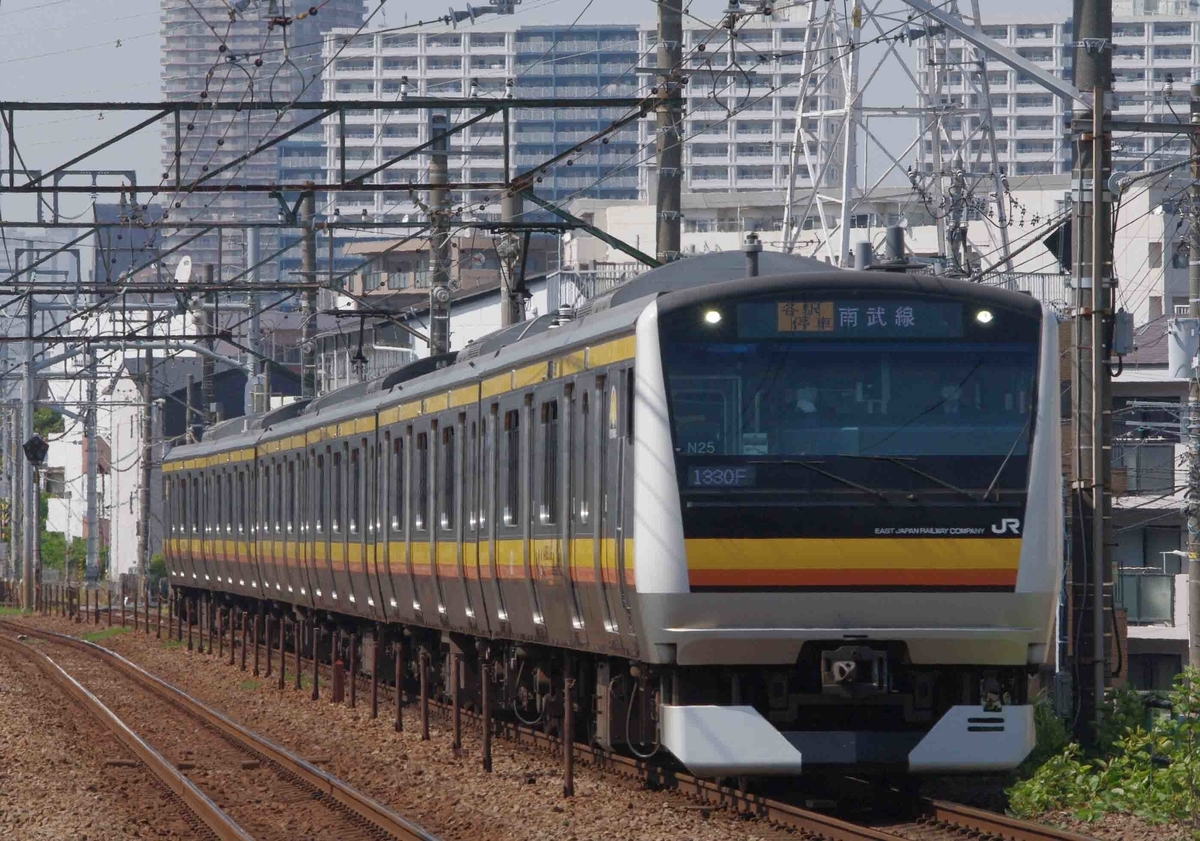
[850, 135]
[1193, 413]
[147, 467]
[93, 522]
[439, 245]
[208, 367]
[308, 300]
[29, 513]
[512, 305]
[1091, 532]
[256, 396]
[667, 123]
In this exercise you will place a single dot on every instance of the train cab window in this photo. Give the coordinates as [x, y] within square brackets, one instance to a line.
[397, 486]
[585, 445]
[447, 490]
[512, 467]
[335, 498]
[420, 503]
[322, 493]
[548, 496]
[355, 513]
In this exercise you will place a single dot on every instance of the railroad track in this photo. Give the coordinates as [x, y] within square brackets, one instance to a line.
[933, 821]
[240, 785]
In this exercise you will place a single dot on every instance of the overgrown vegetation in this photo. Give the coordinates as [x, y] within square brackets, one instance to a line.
[97, 636]
[1148, 770]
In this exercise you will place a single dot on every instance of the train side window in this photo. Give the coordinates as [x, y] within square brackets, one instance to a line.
[548, 503]
[447, 489]
[277, 492]
[290, 519]
[241, 502]
[585, 477]
[322, 493]
[397, 485]
[335, 498]
[471, 476]
[512, 466]
[421, 491]
[355, 513]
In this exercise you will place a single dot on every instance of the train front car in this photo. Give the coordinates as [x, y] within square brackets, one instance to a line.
[848, 527]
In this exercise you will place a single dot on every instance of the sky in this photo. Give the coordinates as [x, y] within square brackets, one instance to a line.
[107, 50]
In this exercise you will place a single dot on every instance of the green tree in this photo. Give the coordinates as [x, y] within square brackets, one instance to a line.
[47, 422]
[158, 567]
[52, 550]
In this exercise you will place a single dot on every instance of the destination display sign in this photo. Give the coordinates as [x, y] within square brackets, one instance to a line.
[856, 319]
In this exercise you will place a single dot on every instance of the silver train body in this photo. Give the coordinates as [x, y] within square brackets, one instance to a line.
[769, 525]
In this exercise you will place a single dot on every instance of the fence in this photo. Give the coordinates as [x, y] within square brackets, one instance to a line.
[570, 288]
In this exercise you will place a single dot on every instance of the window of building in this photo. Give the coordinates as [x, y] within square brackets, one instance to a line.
[1179, 52]
[487, 39]
[1039, 32]
[1179, 258]
[445, 40]
[1156, 254]
[397, 42]
[996, 33]
[354, 65]
[1034, 100]
[1036, 53]
[1172, 30]
[1129, 30]
[1156, 672]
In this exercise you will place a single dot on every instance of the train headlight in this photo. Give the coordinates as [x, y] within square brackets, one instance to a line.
[712, 317]
[984, 316]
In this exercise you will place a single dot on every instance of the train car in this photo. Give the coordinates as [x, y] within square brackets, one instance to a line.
[765, 525]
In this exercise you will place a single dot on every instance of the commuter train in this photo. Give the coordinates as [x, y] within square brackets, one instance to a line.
[809, 521]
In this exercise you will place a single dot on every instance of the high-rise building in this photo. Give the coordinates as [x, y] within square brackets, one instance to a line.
[739, 113]
[1156, 49]
[213, 54]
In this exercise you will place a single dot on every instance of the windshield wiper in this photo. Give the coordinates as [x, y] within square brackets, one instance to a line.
[1011, 450]
[902, 463]
[812, 465]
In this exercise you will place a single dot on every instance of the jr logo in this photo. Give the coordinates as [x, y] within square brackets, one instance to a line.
[1008, 524]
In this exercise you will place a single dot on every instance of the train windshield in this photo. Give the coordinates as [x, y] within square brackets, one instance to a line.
[927, 382]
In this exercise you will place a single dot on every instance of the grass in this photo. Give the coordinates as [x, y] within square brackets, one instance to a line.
[172, 644]
[249, 685]
[96, 636]
[14, 611]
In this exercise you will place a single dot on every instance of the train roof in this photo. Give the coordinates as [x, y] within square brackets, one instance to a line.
[613, 313]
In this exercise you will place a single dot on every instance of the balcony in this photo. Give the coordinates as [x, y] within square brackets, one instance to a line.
[1147, 594]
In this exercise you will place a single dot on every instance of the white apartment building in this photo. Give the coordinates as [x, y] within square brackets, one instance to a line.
[1157, 47]
[745, 152]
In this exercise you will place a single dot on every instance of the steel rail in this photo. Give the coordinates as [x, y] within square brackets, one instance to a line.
[360, 804]
[197, 801]
[978, 823]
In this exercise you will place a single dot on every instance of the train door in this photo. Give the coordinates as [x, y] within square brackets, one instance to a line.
[410, 505]
[421, 543]
[547, 528]
[306, 493]
[443, 488]
[210, 515]
[520, 603]
[471, 517]
[373, 499]
[279, 570]
[321, 490]
[490, 495]
[526, 510]
[357, 512]
[398, 579]
[242, 547]
[339, 533]
[260, 571]
[574, 436]
[611, 466]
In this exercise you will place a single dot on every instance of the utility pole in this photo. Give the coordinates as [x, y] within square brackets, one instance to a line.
[256, 397]
[29, 512]
[93, 535]
[147, 466]
[439, 226]
[512, 305]
[668, 144]
[850, 132]
[1091, 570]
[308, 300]
[1193, 414]
[208, 367]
